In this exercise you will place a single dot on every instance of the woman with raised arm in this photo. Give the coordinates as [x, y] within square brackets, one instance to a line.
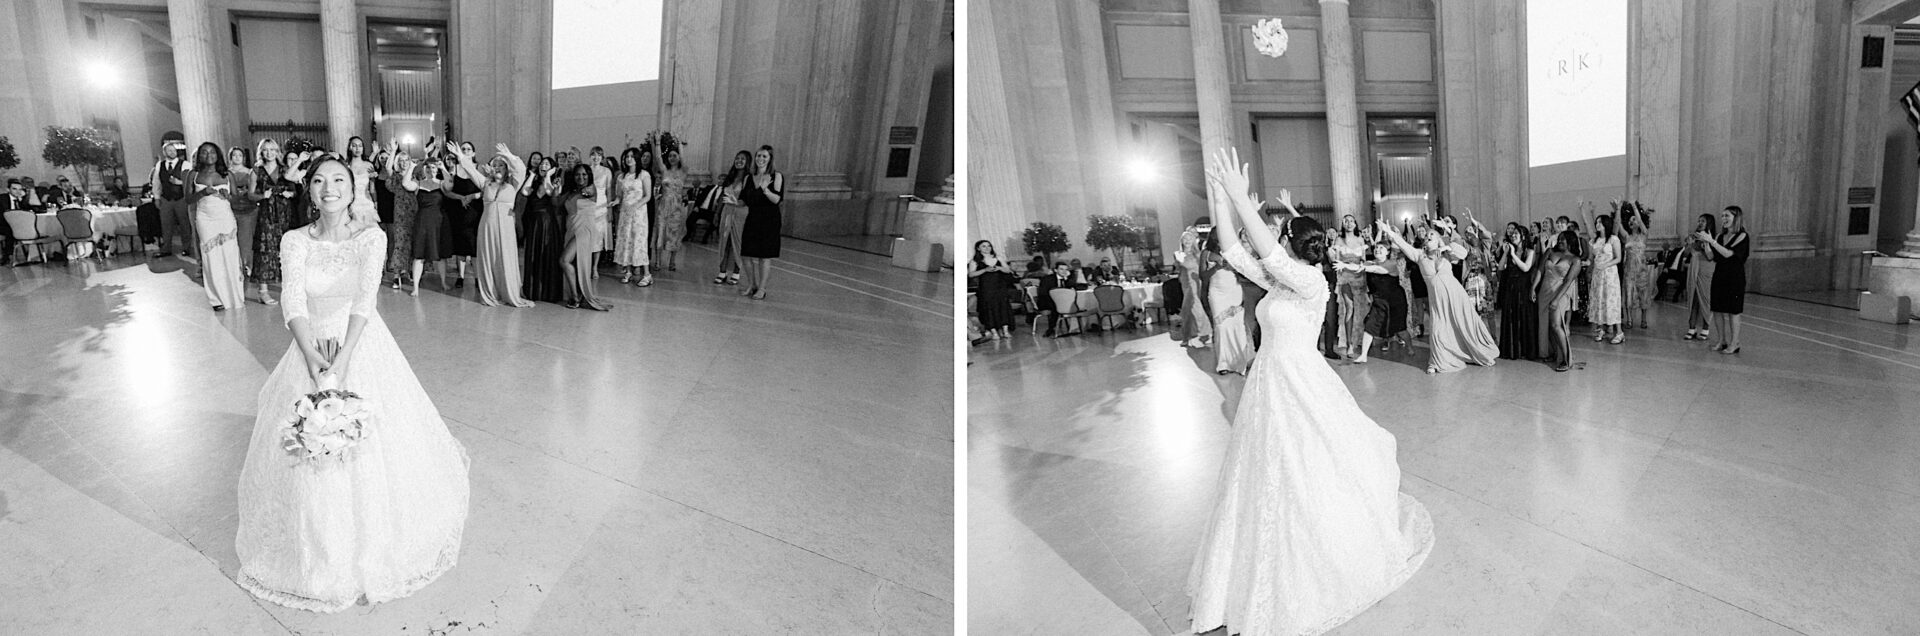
[1350, 247]
[1310, 527]
[385, 518]
[1387, 310]
[496, 254]
[398, 175]
[432, 237]
[1636, 281]
[1456, 334]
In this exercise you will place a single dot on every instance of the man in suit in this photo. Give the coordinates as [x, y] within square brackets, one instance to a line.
[1062, 278]
[1105, 272]
[63, 194]
[19, 197]
[170, 175]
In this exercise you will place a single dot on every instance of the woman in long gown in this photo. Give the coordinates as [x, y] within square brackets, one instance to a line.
[1517, 320]
[1232, 340]
[1635, 282]
[386, 519]
[1603, 304]
[1350, 247]
[1310, 527]
[1455, 332]
[670, 205]
[214, 224]
[1728, 298]
[273, 215]
[731, 213]
[1700, 270]
[997, 290]
[760, 234]
[242, 197]
[459, 203]
[496, 253]
[398, 174]
[546, 237]
[580, 200]
[634, 184]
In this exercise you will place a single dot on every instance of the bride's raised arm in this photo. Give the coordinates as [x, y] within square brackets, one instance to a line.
[1226, 169]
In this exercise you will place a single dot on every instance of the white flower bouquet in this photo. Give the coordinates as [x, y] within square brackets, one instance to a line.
[327, 423]
[1269, 38]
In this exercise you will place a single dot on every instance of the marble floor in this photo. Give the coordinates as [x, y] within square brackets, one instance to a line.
[1662, 489]
[692, 462]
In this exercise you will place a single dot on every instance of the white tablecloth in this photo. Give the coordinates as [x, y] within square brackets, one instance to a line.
[1138, 295]
[105, 221]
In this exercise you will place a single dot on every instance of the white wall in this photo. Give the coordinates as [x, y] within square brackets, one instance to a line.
[1557, 187]
[605, 115]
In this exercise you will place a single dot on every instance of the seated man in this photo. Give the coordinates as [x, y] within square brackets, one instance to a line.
[20, 196]
[1105, 272]
[1062, 278]
[63, 194]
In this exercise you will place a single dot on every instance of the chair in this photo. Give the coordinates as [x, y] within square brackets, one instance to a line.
[1112, 301]
[1066, 307]
[1035, 309]
[131, 232]
[26, 234]
[702, 223]
[76, 227]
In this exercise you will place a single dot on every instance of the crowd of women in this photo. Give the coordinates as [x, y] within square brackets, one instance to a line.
[1480, 297]
[538, 228]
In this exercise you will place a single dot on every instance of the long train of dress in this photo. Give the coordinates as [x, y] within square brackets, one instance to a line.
[1455, 332]
[385, 521]
[1310, 527]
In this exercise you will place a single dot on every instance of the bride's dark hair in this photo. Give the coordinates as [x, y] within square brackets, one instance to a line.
[1307, 238]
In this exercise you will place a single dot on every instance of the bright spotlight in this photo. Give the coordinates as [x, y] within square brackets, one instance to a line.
[406, 140]
[102, 76]
[1141, 170]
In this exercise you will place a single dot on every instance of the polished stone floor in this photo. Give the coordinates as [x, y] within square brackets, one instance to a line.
[692, 462]
[1662, 489]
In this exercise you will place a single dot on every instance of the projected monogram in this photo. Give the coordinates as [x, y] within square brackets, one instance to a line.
[1573, 64]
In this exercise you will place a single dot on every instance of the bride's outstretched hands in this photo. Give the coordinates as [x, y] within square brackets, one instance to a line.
[1225, 168]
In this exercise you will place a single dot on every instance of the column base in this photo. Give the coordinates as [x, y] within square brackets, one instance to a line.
[1911, 249]
[819, 185]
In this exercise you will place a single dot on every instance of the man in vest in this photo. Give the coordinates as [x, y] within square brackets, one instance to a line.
[169, 179]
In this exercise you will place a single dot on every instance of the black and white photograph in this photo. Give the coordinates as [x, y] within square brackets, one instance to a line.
[1293, 317]
[478, 316]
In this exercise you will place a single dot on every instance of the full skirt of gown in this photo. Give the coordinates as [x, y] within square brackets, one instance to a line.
[219, 264]
[387, 519]
[545, 242]
[498, 257]
[1456, 333]
[1309, 527]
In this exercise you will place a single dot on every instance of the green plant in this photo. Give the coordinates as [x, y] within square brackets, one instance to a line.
[8, 158]
[1113, 232]
[1045, 239]
[78, 148]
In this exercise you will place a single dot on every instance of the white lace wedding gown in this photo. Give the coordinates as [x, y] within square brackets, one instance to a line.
[1310, 528]
[386, 521]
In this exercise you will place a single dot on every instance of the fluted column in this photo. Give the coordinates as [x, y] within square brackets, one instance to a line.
[1343, 108]
[832, 92]
[996, 197]
[190, 26]
[1210, 75]
[340, 39]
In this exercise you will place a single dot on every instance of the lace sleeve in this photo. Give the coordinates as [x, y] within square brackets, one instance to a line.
[293, 275]
[1247, 265]
[373, 246]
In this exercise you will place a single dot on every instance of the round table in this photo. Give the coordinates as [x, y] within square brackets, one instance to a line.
[105, 221]
[1137, 296]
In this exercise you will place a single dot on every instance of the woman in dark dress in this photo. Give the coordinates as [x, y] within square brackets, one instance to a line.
[1729, 277]
[520, 201]
[431, 236]
[273, 216]
[760, 236]
[580, 199]
[996, 290]
[1386, 299]
[460, 211]
[1517, 320]
[546, 237]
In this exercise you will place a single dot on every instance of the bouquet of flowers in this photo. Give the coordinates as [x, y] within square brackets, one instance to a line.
[327, 423]
[1269, 38]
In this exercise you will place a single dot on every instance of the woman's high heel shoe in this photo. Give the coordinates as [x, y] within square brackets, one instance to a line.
[720, 279]
[1618, 338]
[1730, 351]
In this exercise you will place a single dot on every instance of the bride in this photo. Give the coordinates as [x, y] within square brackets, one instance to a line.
[1310, 528]
[385, 521]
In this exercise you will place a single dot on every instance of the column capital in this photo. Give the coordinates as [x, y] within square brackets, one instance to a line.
[1333, 2]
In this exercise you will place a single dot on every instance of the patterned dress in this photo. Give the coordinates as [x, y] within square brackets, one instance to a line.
[406, 209]
[671, 211]
[275, 218]
[1639, 290]
[630, 236]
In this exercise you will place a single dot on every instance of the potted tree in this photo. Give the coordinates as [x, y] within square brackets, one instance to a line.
[1045, 239]
[1113, 233]
[80, 149]
[8, 158]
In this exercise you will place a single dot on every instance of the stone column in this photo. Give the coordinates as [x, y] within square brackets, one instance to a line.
[340, 39]
[190, 25]
[997, 200]
[1343, 109]
[831, 93]
[1210, 76]
[690, 62]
